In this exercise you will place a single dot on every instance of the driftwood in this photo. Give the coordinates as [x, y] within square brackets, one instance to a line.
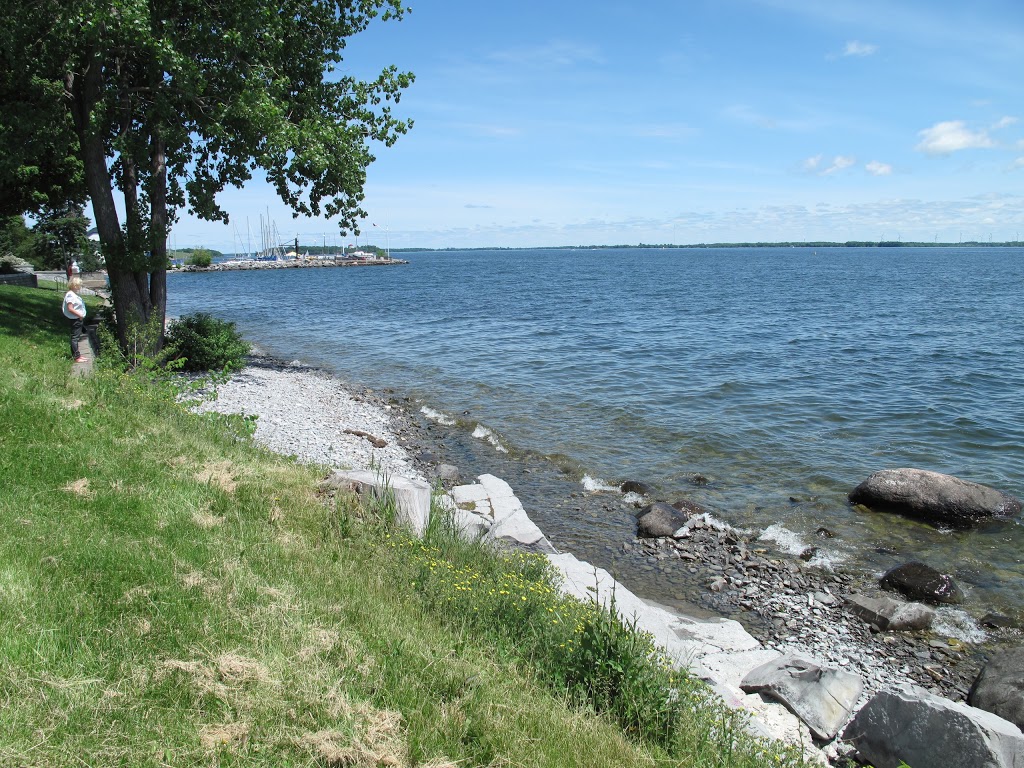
[377, 442]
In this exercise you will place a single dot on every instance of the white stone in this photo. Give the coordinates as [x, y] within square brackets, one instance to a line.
[412, 497]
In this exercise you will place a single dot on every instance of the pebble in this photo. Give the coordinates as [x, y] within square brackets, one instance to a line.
[303, 412]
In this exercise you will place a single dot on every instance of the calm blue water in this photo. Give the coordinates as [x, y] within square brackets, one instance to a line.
[784, 376]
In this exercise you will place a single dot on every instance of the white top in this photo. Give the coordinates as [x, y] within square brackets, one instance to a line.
[76, 302]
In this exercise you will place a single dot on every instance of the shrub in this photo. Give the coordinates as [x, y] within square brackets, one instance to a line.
[200, 257]
[205, 343]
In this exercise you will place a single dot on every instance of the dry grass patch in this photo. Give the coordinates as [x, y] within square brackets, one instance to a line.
[81, 488]
[318, 641]
[372, 738]
[237, 670]
[205, 520]
[218, 473]
[214, 737]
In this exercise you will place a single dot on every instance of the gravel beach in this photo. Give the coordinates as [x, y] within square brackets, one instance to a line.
[308, 414]
[788, 604]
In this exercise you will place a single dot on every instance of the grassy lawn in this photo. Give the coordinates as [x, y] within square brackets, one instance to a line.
[171, 594]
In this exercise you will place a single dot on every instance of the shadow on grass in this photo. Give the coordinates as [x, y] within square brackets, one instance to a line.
[31, 312]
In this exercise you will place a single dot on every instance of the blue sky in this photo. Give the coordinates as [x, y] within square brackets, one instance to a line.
[581, 123]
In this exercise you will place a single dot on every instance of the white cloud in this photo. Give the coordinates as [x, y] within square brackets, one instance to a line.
[857, 48]
[811, 164]
[875, 168]
[952, 136]
[1004, 122]
[557, 53]
[1017, 164]
[816, 164]
[839, 163]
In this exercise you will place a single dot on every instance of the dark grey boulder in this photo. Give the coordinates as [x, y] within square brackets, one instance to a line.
[691, 508]
[822, 697]
[934, 498]
[659, 519]
[917, 581]
[890, 615]
[635, 486]
[924, 730]
[999, 687]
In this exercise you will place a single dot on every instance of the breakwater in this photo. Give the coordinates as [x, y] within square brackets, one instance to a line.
[260, 264]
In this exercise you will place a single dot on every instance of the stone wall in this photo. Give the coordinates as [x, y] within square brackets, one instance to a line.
[27, 279]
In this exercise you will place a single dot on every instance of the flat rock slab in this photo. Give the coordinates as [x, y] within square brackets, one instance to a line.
[933, 497]
[501, 514]
[923, 730]
[820, 696]
[891, 615]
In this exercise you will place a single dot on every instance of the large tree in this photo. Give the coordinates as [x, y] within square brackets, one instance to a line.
[167, 102]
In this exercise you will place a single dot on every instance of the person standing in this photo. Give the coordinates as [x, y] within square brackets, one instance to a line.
[74, 311]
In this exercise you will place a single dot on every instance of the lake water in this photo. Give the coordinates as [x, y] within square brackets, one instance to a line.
[781, 376]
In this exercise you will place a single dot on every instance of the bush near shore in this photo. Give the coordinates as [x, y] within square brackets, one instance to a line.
[171, 594]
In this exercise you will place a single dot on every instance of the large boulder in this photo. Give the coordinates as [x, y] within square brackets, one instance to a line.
[999, 687]
[659, 519]
[890, 615]
[922, 730]
[935, 498]
[823, 698]
[917, 581]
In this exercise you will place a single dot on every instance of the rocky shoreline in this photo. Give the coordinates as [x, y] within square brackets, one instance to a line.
[789, 605]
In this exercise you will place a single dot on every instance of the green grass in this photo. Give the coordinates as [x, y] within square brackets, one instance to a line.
[171, 594]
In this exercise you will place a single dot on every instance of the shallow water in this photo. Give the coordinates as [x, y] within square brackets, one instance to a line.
[782, 376]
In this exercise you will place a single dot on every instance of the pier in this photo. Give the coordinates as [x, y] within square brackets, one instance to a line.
[299, 263]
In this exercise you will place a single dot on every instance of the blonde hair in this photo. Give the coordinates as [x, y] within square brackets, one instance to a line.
[75, 284]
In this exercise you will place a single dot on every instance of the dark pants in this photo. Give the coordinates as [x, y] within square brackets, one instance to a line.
[76, 334]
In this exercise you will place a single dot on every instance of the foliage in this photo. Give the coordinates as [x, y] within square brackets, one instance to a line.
[200, 257]
[205, 343]
[169, 103]
[60, 236]
[15, 237]
[39, 165]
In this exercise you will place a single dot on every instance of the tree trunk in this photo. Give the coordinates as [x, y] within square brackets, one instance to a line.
[158, 234]
[131, 289]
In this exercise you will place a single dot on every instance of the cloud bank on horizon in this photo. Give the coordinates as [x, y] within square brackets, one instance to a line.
[547, 124]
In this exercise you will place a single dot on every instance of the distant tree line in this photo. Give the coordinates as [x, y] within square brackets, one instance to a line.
[787, 244]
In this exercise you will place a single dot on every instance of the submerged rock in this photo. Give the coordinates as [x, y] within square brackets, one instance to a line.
[635, 486]
[918, 581]
[935, 498]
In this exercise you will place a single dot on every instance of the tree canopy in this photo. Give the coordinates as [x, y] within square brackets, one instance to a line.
[167, 102]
